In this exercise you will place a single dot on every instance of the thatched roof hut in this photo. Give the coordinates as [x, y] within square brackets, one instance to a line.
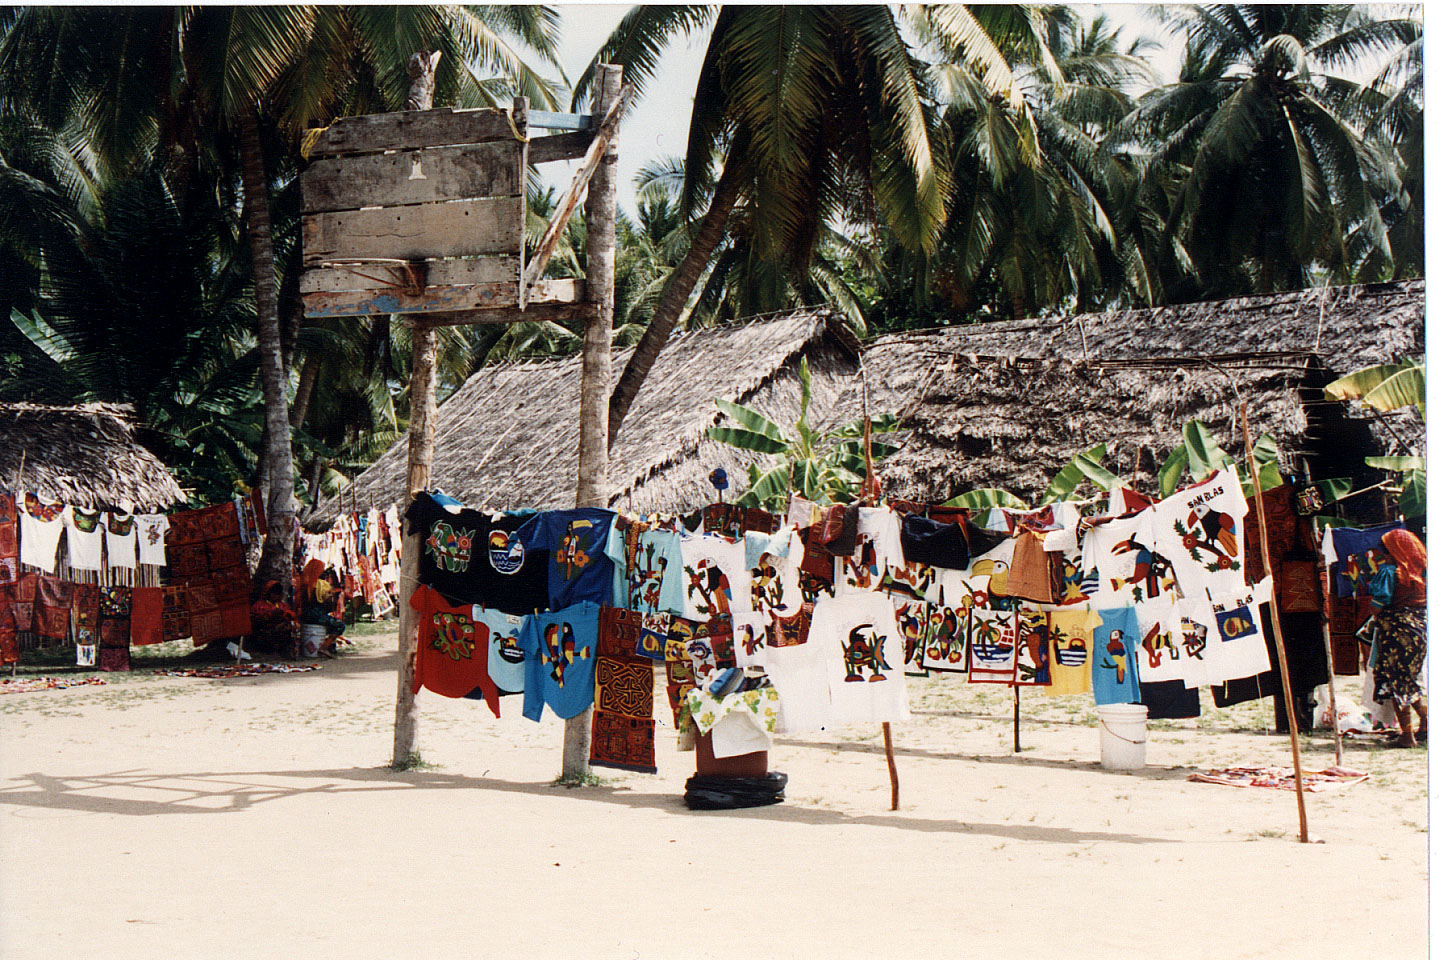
[85, 455]
[508, 437]
[1006, 404]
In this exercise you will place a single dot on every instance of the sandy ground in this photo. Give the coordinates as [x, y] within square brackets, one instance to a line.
[255, 818]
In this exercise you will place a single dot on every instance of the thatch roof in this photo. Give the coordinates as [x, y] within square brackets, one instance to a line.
[508, 437]
[1014, 423]
[83, 455]
[1006, 404]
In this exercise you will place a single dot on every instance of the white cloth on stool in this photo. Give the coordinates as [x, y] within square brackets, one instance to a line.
[738, 732]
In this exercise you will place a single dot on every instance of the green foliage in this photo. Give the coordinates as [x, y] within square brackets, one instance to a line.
[986, 498]
[1083, 466]
[1387, 386]
[826, 468]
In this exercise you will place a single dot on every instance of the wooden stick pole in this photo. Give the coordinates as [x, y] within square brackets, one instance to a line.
[592, 487]
[1284, 665]
[868, 495]
[1017, 718]
[417, 472]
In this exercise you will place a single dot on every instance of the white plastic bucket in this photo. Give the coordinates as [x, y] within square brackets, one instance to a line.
[1122, 735]
[311, 636]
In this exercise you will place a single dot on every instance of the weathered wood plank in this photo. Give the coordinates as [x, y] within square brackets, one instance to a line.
[479, 296]
[604, 133]
[561, 121]
[488, 225]
[563, 146]
[436, 273]
[409, 129]
[414, 176]
[536, 312]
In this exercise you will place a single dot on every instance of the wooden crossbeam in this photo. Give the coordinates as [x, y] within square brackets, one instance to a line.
[433, 299]
[411, 129]
[571, 198]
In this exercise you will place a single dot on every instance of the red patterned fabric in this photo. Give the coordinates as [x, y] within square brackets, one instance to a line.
[176, 617]
[87, 614]
[147, 613]
[52, 607]
[453, 649]
[622, 742]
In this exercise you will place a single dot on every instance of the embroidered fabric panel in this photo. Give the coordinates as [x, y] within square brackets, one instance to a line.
[622, 742]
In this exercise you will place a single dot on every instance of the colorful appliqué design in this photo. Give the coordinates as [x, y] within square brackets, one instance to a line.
[454, 635]
[946, 640]
[864, 650]
[1032, 652]
[912, 618]
[1153, 573]
[507, 556]
[574, 554]
[626, 688]
[84, 522]
[44, 512]
[1157, 643]
[1192, 635]
[626, 743]
[646, 572]
[1236, 623]
[708, 587]
[450, 547]
[559, 651]
[767, 590]
[120, 524]
[1113, 656]
[1213, 532]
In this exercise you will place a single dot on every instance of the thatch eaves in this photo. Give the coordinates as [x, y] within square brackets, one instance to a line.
[84, 455]
[507, 439]
[1014, 423]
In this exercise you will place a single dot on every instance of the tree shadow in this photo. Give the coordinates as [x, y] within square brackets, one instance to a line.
[1011, 759]
[222, 792]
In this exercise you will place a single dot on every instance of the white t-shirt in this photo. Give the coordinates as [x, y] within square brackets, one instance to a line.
[715, 578]
[877, 550]
[150, 529]
[798, 675]
[41, 524]
[1128, 569]
[120, 539]
[749, 637]
[1202, 532]
[83, 537]
[1239, 650]
[775, 577]
[1159, 654]
[864, 657]
[1194, 631]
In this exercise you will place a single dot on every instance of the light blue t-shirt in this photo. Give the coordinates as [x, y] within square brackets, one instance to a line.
[507, 660]
[1113, 672]
[653, 583]
[560, 660]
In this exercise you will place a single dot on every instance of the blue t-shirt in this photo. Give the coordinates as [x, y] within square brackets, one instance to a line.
[651, 581]
[579, 569]
[507, 660]
[560, 660]
[1113, 668]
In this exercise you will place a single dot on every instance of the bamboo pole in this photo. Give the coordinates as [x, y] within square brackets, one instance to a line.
[592, 488]
[1325, 634]
[417, 472]
[867, 496]
[1017, 718]
[1275, 623]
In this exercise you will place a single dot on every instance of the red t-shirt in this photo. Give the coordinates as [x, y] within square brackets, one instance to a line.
[453, 653]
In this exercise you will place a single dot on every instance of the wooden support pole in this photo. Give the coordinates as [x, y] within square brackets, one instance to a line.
[869, 495]
[1284, 665]
[423, 342]
[1325, 635]
[592, 488]
[1017, 718]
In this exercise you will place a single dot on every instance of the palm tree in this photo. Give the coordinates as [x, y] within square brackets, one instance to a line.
[154, 79]
[1261, 154]
[795, 108]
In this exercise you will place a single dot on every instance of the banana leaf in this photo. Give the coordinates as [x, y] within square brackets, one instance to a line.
[1203, 452]
[1406, 388]
[751, 420]
[1412, 497]
[1172, 470]
[1083, 466]
[1354, 386]
[985, 498]
[1396, 463]
[747, 439]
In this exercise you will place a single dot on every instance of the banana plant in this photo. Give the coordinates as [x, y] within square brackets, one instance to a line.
[1085, 465]
[1385, 386]
[1200, 455]
[823, 467]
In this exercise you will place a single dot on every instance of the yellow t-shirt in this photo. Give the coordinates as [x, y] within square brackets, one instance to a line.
[1071, 642]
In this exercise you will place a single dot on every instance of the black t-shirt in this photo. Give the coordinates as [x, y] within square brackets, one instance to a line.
[939, 544]
[471, 557]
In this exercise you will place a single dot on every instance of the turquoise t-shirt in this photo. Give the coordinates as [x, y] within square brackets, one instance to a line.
[560, 660]
[507, 660]
[653, 582]
[1114, 675]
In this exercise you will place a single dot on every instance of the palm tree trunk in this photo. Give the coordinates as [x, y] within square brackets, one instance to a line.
[309, 376]
[677, 293]
[275, 559]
